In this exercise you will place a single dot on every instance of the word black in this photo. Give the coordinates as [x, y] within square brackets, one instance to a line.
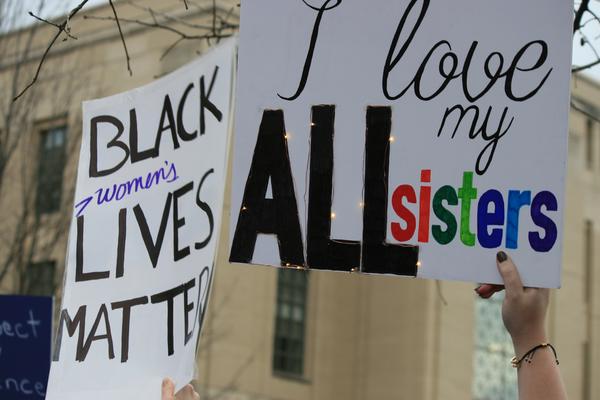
[168, 122]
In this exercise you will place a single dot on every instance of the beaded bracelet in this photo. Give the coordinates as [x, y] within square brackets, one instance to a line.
[516, 362]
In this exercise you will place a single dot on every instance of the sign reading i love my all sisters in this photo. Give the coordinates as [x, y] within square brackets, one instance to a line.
[408, 137]
[144, 234]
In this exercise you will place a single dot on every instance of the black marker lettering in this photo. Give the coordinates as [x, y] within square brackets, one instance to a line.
[279, 215]
[322, 251]
[166, 113]
[178, 253]
[121, 242]
[136, 155]
[205, 102]
[114, 142]
[206, 208]
[81, 276]
[102, 314]
[183, 134]
[311, 47]
[377, 255]
[169, 296]
[126, 306]
[75, 324]
[153, 247]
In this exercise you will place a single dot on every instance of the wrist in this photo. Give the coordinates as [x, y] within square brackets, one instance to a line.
[523, 343]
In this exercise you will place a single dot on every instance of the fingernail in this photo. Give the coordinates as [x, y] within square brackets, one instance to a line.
[501, 257]
[486, 295]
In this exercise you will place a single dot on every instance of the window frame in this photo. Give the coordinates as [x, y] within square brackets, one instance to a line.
[29, 284]
[290, 324]
[44, 205]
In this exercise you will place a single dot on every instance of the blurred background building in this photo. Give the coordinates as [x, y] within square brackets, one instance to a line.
[272, 333]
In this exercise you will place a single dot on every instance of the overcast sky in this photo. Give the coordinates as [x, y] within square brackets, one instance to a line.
[581, 55]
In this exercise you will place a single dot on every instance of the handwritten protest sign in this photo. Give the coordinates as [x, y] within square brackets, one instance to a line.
[407, 137]
[143, 238]
[25, 341]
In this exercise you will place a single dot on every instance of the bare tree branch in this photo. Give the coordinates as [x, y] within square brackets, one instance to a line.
[171, 47]
[580, 11]
[214, 31]
[172, 18]
[122, 37]
[43, 20]
[586, 66]
[63, 27]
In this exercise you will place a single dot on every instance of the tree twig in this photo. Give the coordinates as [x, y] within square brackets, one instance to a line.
[213, 33]
[583, 7]
[60, 29]
[122, 37]
[156, 25]
[585, 66]
[43, 20]
[171, 47]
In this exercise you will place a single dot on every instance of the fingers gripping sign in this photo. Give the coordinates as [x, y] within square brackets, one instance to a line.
[510, 275]
[523, 309]
[523, 313]
[168, 391]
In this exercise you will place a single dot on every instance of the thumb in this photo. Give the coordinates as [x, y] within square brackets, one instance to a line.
[510, 274]
[168, 389]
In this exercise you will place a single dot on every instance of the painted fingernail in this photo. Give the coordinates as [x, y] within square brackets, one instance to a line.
[501, 256]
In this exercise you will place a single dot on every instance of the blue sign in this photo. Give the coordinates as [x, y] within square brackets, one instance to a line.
[25, 342]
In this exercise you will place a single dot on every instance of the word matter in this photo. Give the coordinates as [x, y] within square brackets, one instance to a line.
[77, 324]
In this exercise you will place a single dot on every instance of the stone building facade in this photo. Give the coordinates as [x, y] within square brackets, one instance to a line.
[286, 334]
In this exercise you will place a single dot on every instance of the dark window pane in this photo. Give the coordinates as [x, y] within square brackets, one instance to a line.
[39, 280]
[288, 346]
[588, 257]
[50, 170]
[589, 143]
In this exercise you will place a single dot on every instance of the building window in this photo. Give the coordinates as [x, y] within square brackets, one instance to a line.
[39, 280]
[587, 371]
[288, 346]
[50, 170]
[494, 377]
[588, 258]
[589, 143]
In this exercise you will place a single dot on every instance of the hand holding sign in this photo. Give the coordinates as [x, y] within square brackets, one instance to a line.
[168, 391]
[524, 314]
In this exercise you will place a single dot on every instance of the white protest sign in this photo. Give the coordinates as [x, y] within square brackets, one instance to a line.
[409, 137]
[143, 239]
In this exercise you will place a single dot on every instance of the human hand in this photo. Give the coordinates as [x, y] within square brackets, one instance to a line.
[523, 309]
[168, 391]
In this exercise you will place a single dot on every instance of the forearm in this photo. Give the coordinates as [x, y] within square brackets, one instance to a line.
[540, 377]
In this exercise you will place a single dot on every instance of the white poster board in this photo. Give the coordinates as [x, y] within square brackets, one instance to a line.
[405, 137]
[144, 234]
